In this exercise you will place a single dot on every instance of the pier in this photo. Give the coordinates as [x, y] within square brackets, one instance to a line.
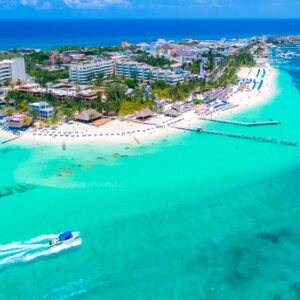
[242, 123]
[234, 135]
[248, 137]
[10, 140]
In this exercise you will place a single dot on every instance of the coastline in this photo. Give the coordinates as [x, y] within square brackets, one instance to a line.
[130, 132]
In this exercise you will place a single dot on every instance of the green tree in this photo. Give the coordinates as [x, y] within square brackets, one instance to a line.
[130, 83]
[194, 67]
[54, 119]
[150, 60]
[159, 84]
[92, 116]
[26, 122]
[24, 105]
[134, 77]
[33, 114]
[115, 92]
[99, 79]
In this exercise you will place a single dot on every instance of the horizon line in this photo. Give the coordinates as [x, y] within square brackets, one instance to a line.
[152, 19]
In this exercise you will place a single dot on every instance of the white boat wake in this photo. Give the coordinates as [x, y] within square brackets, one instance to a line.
[19, 252]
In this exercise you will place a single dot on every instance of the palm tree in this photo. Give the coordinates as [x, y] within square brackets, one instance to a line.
[24, 105]
[134, 76]
[99, 79]
[78, 89]
[149, 77]
[10, 111]
[47, 122]
[54, 119]
[92, 117]
[67, 112]
[6, 82]
[33, 114]
[26, 122]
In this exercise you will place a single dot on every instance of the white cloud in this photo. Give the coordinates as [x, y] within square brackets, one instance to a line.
[29, 2]
[94, 3]
[46, 5]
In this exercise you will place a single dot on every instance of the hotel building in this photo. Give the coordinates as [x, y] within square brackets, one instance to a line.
[80, 72]
[12, 70]
[43, 109]
[145, 72]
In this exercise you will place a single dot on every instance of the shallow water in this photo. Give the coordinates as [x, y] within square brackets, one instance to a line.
[196, 217]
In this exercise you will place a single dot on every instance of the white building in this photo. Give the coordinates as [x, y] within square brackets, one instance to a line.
[43, 109]
[80, 72]
[12, 70]
[145, 72]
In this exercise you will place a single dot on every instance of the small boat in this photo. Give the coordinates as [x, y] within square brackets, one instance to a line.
[62, 238]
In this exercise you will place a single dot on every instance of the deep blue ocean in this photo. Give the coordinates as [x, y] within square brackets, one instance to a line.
[52, 33]
[185, 217]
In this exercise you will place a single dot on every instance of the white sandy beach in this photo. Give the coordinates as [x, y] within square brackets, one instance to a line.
[128, 132]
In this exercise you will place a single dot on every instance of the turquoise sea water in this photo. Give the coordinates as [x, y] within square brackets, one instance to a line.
[193, 217]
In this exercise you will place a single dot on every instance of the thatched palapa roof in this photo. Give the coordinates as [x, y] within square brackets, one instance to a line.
[88, 115]
[144, 113]
[172, 113]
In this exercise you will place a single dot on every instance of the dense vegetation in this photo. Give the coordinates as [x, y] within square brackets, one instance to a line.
[118, 102]
[7, 55]
[36, 58]
[151, 60]
[177, 92]
[193, 67]
[43, 77]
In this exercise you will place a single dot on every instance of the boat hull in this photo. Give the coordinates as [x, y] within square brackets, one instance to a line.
[57, 242]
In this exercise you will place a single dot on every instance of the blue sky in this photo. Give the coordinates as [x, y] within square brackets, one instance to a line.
[149, 9]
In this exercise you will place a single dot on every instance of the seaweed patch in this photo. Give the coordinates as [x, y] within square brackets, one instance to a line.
[101, 158]
[84, 168]
[20, 188]
[68, 171]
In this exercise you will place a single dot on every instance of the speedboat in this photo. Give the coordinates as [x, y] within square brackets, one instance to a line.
[63, 237]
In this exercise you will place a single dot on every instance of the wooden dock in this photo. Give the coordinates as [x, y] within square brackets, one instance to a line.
[248, 137]
[234, 135]
[286, 142]
[241, 123]
[10, 140]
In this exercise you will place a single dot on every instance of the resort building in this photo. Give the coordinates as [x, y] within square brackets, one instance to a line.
[80, 72]
[43, 109]
[12, 70]
[17, 121]
[130, 69]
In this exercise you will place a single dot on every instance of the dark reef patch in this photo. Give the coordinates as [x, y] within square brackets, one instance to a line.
[83, 168]
[101, 158]
[19, 188]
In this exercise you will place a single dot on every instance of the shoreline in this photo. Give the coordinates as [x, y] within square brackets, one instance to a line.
[130, 132]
